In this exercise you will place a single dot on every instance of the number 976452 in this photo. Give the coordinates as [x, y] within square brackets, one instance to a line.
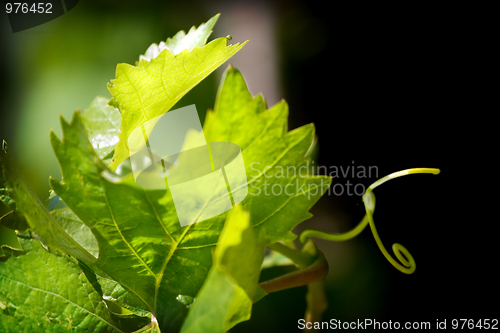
[485, 324]
[36, 8]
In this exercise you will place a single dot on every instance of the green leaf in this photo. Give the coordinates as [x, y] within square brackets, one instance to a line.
[151, 88]
[103, 126]
[281, 187]
[38, 217]
[142, 245]
[47, 292]
[226, 296]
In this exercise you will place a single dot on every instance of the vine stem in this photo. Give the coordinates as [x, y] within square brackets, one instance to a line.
[402, 254]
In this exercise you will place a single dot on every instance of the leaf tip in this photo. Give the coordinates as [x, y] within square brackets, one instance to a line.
[53, 138]
[310, 127]
[62, 121]
[76, 117]
[213, 19]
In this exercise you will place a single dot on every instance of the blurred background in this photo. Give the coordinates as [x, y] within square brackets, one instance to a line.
[378, 83]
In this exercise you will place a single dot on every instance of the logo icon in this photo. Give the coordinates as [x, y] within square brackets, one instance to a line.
[170, 151]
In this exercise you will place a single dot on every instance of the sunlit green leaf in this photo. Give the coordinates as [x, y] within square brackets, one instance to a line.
[151, 88]
[280, 184]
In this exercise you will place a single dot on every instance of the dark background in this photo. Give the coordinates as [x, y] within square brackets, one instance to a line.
[395, 87]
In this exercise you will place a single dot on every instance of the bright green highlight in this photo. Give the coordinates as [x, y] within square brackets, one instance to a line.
[162, 77]
[399, 250]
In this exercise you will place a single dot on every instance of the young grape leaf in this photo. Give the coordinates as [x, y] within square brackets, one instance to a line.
[151, 88]
[280, 183]
[47, 292]
[232, 280]
[38, 217]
